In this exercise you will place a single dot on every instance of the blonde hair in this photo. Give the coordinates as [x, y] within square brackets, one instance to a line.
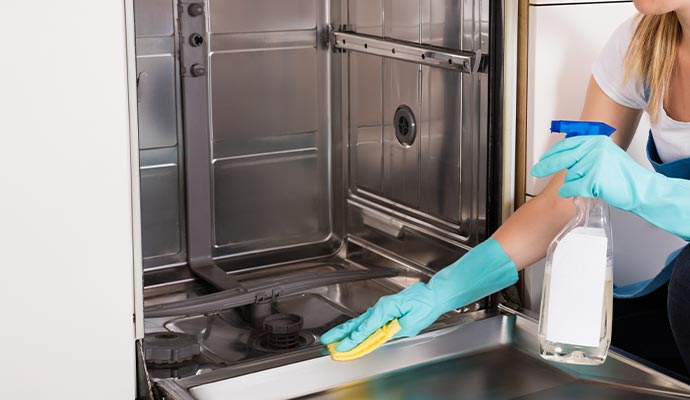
[651, 56]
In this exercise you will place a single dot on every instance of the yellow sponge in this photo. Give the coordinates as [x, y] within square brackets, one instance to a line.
[381, 336]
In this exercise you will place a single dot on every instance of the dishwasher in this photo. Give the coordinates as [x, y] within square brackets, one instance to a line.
[299, 159]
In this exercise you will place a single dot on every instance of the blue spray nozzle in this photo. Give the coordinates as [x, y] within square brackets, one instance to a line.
[581, 128]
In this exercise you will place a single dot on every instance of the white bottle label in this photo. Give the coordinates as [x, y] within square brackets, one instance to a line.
[576, 296]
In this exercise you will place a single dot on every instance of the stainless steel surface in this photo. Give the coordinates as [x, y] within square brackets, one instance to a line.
[402, 19]
[253, 193]
[314, 376]
[477, 355]
[241, 16]
[400, 50]
[617, 370]
[157, 97]
[366, 122]
[154, 18]
[475, 376]
[195, 91]
[441, 178]
[162, 183]
[500, 373]
[263, 119]
[323, 294]
[160, 203]
[443, 166]
[366, 16]
[442, 22]
[401, 172]
[269, 108]
[282, 125]
[234, 294]
[482, 357]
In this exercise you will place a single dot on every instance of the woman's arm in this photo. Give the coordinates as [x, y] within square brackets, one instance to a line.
[490, 266]
[527, 233]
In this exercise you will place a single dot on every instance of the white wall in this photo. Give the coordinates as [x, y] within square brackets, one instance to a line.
[66, 247]
[564, 42]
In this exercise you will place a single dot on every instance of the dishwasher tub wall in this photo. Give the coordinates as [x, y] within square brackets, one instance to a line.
[302, 152]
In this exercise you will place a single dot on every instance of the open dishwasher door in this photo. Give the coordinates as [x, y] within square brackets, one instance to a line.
[486, 357]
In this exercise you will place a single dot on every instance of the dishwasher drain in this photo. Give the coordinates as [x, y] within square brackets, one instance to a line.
[282, 332]
[405, 125]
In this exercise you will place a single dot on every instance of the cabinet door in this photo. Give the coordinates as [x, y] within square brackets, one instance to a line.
[67, 232]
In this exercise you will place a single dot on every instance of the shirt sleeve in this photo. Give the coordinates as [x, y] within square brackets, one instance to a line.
[608, 70]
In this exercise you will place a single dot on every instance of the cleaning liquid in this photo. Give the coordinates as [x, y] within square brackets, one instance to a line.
[577, 300]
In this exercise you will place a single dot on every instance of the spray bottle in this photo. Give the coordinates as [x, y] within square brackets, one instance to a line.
[576, 304]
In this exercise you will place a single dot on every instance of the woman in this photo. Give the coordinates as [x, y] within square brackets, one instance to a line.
[645, 66]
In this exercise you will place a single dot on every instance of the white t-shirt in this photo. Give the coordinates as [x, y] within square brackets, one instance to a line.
[672, 138]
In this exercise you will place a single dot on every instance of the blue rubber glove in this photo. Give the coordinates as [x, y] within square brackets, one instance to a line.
[482, 271]
[597, 167]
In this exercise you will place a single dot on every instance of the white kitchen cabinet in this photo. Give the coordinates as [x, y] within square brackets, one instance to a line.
[66, 211]
[564, 41]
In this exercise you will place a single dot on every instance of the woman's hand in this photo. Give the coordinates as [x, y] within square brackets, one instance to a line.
[482, 271]
[597, 167]
[415, 307]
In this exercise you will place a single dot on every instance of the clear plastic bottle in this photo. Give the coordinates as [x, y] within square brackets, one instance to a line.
[577, 300]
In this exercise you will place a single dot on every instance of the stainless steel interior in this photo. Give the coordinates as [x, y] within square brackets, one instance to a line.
[298, 139]
[440, 178]
[160, 127]
[269, 100]
[229, 337]
[304, 158]
[271, 140]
